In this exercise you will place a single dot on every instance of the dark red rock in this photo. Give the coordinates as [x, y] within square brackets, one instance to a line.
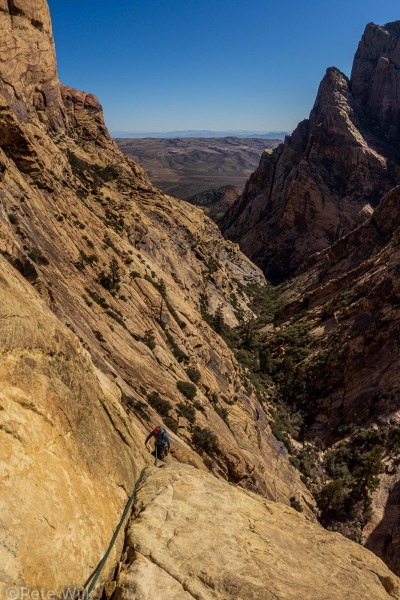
[330, 173]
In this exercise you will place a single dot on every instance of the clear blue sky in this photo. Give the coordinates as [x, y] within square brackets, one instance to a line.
[162, 65]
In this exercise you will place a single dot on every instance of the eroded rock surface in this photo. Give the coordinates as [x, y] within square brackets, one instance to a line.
[69, 453]
[108, 290]
[195, 537]
[330, 173]
[351, 292]
[348, 301]
[27, 41]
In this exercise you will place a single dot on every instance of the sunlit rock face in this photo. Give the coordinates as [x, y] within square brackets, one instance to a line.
[375, 80]
[28, 69]
[331, 172]
[105, 288]
[182, 544]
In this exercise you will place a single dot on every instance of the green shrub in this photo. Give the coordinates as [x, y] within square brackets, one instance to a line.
[187, 411]
[149, 339]
[138, 407]
[222, 412]
[187, 389]
[228, 400]
[88, 241]
[218, 321]
[85, 259]
[98, 174]
[98, 299]
[331, 501]
[171, 424]
[305, 461]
[212, 265]
[193, 374]
[37, 256]
[179, 354]
[87, 301]
[159, 404]
[198, 406]
[205, 439]
[294, 503]
[111, 280]
[116, 317]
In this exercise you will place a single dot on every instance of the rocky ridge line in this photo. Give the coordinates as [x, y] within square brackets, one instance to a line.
[331, 172]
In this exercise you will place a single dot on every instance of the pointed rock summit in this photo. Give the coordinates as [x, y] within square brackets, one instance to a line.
[375, 80]
[331, 172]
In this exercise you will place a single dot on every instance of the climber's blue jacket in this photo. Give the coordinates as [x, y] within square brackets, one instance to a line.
[161, 437]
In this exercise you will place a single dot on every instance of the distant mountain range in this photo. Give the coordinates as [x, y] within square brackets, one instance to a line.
[270, 135]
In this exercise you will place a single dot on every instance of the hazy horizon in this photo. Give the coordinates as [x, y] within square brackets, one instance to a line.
[200, 133]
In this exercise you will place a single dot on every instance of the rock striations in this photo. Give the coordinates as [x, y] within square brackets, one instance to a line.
[351, 294]
[28, 71]
[330, 173]
[108, 289]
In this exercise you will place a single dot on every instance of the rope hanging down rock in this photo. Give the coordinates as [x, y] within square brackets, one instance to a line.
[96, 574]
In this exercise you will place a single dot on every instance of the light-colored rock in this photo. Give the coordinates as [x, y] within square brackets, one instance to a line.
[34, 92]
[196, 537]
[70, 204]
[69, 455]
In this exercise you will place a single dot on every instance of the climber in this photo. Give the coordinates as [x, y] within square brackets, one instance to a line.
[161, 443]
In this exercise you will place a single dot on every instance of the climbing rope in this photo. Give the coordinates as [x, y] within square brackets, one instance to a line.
[100, 567]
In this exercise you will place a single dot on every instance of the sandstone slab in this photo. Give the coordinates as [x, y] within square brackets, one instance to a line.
[193, 536]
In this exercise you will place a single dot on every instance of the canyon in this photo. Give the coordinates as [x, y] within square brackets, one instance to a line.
[119, 311]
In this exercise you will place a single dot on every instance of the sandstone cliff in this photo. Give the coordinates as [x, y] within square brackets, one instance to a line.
[108, 289]
[69, 453]
[330, 173]
[346, 379]
[181, 536]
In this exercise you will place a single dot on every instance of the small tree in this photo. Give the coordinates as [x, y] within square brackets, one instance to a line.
[187, 411]
[162, 288]
[159, 404]
[266, 361]
[149, 339]
[218, 319]
[161, 310]
[248, 329]
[111, 280]
[115, 274]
